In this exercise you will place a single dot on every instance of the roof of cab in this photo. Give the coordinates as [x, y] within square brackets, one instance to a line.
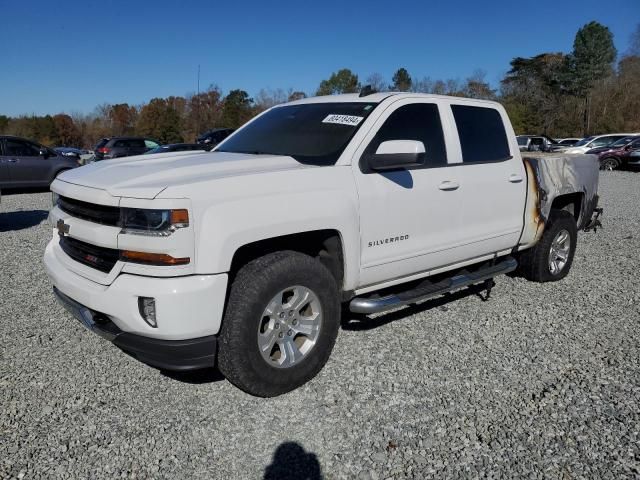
[380, 96]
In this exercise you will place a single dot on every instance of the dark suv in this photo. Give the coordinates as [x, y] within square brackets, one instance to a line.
[116, 147]
[213, 137]
[27, 164]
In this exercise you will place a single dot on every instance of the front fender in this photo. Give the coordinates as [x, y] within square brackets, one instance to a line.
[313, 204]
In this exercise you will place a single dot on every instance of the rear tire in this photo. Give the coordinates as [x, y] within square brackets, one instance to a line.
[551, 258]
[256, 324]
[610, 164]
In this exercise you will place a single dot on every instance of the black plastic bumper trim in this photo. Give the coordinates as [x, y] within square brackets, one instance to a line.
[176, 355]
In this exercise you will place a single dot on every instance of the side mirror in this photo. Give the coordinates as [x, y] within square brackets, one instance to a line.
[44, 153]
[397, 154]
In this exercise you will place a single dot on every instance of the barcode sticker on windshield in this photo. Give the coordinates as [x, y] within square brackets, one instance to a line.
[342, 119]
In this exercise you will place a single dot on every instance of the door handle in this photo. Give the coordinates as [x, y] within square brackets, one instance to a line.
[12, 160]
[449, 185]
[514, 178]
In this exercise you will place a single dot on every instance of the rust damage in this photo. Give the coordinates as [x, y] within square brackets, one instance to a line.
[534, 212]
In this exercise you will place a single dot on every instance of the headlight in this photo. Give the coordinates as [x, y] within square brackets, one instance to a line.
[139, 221]
[54, 199]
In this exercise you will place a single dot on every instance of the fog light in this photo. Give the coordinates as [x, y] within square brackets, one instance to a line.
[147, 308]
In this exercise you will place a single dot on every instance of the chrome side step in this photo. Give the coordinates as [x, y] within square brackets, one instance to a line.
[369, 305]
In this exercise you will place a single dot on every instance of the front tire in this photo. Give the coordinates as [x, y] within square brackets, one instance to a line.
[551, 258]
[280, 325]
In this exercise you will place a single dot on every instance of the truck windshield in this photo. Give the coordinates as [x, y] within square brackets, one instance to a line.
[313, 133]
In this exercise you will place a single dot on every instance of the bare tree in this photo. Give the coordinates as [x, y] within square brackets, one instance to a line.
[377, 82]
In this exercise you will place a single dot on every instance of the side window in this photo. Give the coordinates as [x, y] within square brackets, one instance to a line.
[482, 134]
[18, 148]
[119, 144]
[418, 121]
[136, 143]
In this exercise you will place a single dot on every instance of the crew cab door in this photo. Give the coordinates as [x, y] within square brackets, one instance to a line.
[464, 204]
[492, 178]
[408, 217]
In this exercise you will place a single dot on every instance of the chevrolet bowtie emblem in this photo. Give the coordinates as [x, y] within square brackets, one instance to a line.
[62, 228]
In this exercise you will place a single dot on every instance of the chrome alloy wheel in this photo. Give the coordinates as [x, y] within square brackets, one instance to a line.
[289, 327]
[559, 252]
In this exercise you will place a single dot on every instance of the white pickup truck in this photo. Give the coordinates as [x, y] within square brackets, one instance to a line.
[244, 256]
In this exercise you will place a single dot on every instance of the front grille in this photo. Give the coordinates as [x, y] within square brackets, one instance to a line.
[92, 212]
[100, 258]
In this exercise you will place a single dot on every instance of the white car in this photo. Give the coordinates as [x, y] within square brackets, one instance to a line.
[595, 141]
[244, 255]
[565, 143]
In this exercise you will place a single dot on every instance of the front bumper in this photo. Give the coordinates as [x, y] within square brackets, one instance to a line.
[187, 307]
[188, 312]
[177, 355]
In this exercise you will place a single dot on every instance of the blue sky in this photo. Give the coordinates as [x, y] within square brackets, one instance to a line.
[72, 55]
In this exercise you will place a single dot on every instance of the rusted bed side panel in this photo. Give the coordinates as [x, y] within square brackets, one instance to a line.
[550, 176]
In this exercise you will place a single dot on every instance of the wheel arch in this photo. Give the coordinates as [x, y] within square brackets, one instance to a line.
[574, 203]
[327, 245]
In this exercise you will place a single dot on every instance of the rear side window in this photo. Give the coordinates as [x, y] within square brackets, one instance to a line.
[482, 134]
[418, 121]
[136, 143]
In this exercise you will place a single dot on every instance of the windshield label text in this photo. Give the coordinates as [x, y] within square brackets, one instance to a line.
[342, 119]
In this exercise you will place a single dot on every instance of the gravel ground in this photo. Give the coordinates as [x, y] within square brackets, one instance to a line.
[541, 381]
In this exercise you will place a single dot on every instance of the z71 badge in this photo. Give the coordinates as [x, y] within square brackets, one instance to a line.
[383, 241]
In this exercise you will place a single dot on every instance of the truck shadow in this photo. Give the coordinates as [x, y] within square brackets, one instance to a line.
[361, 322]
[11, 221]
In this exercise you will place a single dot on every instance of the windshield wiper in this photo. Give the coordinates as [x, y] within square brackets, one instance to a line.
[248, 152]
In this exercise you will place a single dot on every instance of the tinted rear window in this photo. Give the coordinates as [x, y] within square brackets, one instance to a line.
[101, 143]
[482, 134]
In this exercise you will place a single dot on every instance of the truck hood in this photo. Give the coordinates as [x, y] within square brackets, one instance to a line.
[146, 176]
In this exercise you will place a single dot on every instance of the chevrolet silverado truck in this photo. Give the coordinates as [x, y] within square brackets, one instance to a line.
[246, 256]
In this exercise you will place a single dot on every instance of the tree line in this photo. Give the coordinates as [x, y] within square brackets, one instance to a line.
[588, 90]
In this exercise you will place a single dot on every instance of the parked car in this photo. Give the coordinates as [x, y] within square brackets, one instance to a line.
[375, 201]
[177, 147]
[27, 164]
[117, 147]
[536, 143]
[213, 137]
[595, 141]
[567, 142]
[618, 154]
[83, 156]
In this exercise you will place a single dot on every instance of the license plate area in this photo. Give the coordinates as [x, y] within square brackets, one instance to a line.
[86, 316]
